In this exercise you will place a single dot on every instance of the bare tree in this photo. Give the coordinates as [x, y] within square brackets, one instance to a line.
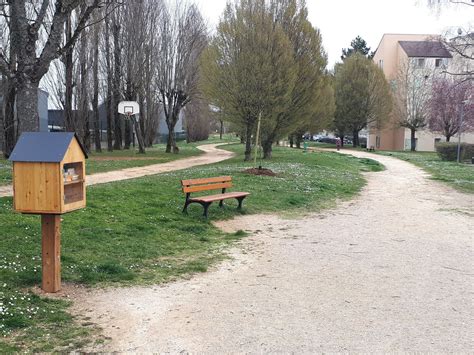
[117, 76]
[109, 95]
[140, 43]
[438, 5]
[412, 93]
[36, 31]
[447, 101]
[198, 116]
[95, 78]
[459, 41]
[183, 38]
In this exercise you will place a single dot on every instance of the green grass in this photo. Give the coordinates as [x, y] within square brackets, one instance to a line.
[5, 172]
[459, 176]
[133, 232]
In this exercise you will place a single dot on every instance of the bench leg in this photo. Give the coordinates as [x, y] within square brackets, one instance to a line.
[206, 207]
[185, 209]
[221, 203]
[186, 203]
[240, 199]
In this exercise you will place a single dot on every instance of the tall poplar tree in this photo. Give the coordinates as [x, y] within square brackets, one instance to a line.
[248, 69]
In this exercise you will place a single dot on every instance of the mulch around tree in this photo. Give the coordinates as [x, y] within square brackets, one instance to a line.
[260, 171]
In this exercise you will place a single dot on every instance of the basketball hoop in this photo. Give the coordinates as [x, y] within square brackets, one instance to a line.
[129, 108]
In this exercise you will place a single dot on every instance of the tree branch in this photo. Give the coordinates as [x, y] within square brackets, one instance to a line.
[4, 65]
[41, 14]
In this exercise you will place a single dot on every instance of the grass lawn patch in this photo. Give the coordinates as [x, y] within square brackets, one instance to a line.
[133, 232]
[5, 172]
[459, 176]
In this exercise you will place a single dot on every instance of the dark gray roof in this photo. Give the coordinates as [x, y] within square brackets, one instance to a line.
[425, 49]
[43, 147]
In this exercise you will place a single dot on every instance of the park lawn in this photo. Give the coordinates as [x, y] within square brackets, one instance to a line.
[459, 176]
[120, 159]
[133, 232]
[5, 172]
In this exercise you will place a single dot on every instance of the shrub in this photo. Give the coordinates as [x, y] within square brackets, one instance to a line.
[449, 151]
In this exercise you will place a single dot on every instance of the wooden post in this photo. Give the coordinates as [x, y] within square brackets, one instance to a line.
[256, 138]
[51, 248]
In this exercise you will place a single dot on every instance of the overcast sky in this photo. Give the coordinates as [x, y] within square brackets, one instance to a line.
[340, 21]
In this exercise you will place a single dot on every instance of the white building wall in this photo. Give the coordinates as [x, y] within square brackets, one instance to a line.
[426, 139]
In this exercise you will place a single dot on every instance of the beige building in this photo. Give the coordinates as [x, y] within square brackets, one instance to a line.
[421, 57]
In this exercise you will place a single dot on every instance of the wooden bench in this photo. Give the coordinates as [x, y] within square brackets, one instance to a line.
[207, 184]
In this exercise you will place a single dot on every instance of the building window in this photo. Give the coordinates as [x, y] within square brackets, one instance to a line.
[381, 63]
[441, 62]
[420, 62]
[437, 140]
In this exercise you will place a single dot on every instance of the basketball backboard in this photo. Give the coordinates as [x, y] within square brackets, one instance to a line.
[128, 108]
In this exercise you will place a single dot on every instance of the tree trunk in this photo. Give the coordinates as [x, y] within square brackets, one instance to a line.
[448, 137]
[95, 99]
[298, 141]
[172, 117]
[267, 149]
[292, 141]
[69, 124]
[128, 134]
[84, 95]
[248, 142]
[171, 142]
[139, 132]
[27, 106]
[116, 84]
[413, 139]
[9, 131]
[110, 115]
[95, 95]
[355, 138]
[221, 131]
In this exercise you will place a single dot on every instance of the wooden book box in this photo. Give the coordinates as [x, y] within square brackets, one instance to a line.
[48, 173]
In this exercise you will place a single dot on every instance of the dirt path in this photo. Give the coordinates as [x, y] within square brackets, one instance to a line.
[391, 270]
[212, 155]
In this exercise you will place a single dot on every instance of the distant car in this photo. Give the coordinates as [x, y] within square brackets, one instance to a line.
[328, 140]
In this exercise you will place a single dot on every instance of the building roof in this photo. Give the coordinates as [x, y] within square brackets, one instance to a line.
[427, 49]
[43, 147]
[57, 117]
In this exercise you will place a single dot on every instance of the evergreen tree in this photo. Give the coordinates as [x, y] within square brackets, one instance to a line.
[358, 45]
[363, 96]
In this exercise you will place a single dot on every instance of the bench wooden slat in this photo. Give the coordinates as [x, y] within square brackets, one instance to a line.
[202, 181]
[219, 197]
[197, 188]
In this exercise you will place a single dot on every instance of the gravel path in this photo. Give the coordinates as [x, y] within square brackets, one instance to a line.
[390, 271]
[212, 154]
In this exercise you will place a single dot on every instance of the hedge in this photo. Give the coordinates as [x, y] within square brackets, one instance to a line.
[449, 151]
